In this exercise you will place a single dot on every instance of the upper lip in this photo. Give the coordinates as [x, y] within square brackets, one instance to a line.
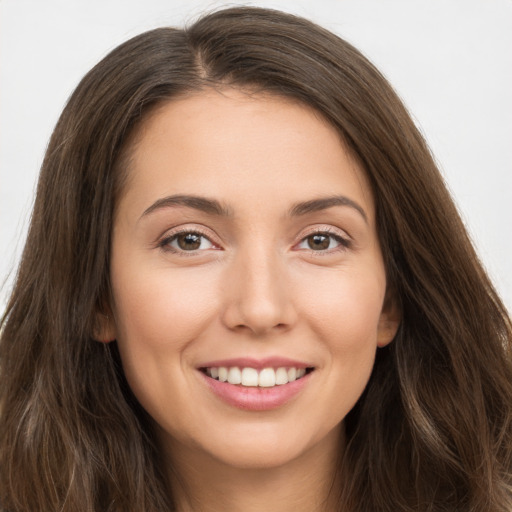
[258, 364]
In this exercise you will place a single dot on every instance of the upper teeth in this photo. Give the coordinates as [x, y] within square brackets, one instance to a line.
[265, 378]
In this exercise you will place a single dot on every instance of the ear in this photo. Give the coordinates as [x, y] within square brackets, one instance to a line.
[104, 329]
[389, 321]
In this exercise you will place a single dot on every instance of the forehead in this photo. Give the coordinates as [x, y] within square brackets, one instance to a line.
[231, 144]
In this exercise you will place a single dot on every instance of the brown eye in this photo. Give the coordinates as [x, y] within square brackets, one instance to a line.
[323, 241]
[187, 241]
[319, 242]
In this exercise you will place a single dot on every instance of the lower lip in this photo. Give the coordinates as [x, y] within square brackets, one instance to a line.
[256, 398]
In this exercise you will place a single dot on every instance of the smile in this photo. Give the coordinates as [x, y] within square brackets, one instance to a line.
[260, 384]
[252, 377]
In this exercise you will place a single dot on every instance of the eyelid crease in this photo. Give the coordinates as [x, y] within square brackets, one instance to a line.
[323, 228]
[185, 228]
[329, 230]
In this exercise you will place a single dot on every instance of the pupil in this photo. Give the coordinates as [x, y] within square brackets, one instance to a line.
[317, 242]
[189, 241]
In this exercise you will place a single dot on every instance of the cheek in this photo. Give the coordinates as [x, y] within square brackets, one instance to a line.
[159, 314]
[344, 316]
[160, 307]
[345, 307]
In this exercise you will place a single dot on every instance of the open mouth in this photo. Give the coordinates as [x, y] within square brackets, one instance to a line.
[251, 377]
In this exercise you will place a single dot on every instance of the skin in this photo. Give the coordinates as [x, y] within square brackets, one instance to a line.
[254, 288]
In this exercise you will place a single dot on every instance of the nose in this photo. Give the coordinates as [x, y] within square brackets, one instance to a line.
[258, 295]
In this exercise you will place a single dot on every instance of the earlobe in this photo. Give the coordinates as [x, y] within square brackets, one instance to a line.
[389, 321]
[104, 330]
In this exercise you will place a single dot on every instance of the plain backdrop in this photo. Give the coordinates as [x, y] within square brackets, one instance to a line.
[450, 61]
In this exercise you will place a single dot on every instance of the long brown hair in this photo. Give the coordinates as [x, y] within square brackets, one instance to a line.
[433, 429]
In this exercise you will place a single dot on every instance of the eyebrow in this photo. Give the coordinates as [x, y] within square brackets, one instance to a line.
[323, 203]
[214, 207]
[204, 204]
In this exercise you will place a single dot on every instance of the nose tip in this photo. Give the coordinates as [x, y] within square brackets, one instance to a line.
[257, 300]
[258, 317]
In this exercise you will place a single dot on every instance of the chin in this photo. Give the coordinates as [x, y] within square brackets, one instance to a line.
[263, 446]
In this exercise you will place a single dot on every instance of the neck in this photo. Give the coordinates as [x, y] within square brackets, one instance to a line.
[201, 483]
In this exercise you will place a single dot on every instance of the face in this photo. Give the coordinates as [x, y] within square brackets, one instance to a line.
[244, 248]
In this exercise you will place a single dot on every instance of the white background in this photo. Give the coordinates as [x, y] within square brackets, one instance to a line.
[450, 60]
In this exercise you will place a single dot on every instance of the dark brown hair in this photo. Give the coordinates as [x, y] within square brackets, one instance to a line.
[433, 429]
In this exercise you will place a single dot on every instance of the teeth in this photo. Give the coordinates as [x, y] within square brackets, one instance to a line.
[223, 374]
[234, 375]
[281, 376]
[267, 378]
[250, 377]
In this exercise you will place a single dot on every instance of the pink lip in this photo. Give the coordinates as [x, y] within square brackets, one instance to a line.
[256, 399]
[258, 364]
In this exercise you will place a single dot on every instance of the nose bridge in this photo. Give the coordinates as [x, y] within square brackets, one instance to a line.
[259, 296]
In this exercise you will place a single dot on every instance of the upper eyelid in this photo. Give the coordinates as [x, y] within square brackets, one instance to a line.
[172, 232]
[328, 229]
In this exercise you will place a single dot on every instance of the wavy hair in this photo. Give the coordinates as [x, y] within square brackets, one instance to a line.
[433, 429]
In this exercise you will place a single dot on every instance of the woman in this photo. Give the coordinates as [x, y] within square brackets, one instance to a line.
[245, 286]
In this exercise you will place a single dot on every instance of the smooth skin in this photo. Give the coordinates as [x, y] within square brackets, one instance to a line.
[254, 275]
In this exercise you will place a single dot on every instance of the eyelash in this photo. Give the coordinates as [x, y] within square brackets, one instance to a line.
[165, 246]
[344, 243]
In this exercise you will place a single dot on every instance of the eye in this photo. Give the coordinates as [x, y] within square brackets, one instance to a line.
[187, 241]
[322, 241]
